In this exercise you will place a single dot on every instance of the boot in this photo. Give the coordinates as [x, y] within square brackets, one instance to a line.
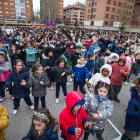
[99, 137]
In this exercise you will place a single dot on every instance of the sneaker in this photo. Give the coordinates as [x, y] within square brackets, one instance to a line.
[1, 99]
[68, 84]
[51, 88]
[31, 107]
[99, 137]
[12, 97]
[14, 112]
[64, 97]
[71, 79]
[57, 100]
[125, 83]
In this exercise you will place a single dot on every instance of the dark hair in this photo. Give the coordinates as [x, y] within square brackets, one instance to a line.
[84, 45]
[57, 40]
[22, 42]
[18, 60]
[130, 53]
[101, 84]
[30, 42]
[35, 67]
[47, 50]
[100, 54]
[1, 42]
[78, 47]
[90, 55]
[67, 51]
[47, 123]
[107, 49]
[5, 56]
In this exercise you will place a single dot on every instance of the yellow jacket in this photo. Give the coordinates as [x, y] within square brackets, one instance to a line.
[4, 122]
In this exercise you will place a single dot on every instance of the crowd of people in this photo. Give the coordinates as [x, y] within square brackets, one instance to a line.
[37, 57]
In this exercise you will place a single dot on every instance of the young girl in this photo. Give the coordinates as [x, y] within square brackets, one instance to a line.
[114, 57]
[60, 71]
[80, 74]
[18, 74]
[132, 120]
[39, 81]
[4, 73]
[44, 126]
[13, 54]
[71, 48]
[99, 107]
[30, 55]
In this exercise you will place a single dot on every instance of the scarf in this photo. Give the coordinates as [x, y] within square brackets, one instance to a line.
[101, 99]
[67, 56]
[80, 66]
[30, 48]
[61, 66]
[39, 76]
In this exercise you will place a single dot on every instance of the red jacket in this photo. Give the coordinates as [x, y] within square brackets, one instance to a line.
[116, 77]
[87, 44]
[68, 120]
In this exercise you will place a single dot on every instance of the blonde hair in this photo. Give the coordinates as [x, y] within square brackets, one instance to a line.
[136, 81]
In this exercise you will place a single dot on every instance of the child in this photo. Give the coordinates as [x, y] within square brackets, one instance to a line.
[4, 73]
[44, 126]
[119, 50]
[106, 55]
[2, 48]
[13, 54]
[83, 50]
[4, 122]
[90, 63]
[97, 49]
[103, 76]
[80, 74]
[48, 60]
[73, 117]
[119, 71]
[114, 57]
[99, 108]
[133, 47]
[71, 48]
[91, 50]
[66, 56]
[30, 55]
[18, 74]
[99, 62]
[38, 82]
[60, 71]
[132, 123]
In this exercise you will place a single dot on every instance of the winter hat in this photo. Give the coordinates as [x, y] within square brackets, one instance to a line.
[1, 40]
[32, 36]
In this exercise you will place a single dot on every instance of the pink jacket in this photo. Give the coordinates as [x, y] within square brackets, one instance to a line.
[129, 62]
[4, 71]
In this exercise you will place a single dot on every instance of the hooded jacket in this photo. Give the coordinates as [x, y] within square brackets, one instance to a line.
[71, 49]
[132, 120]
[99, 77]
[116, 77]
[68, 120]
[91, 49]
[4, 122]
[114, 55]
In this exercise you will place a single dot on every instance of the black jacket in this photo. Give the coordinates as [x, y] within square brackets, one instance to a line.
[105, 43]
[74, 57]
[14, 57]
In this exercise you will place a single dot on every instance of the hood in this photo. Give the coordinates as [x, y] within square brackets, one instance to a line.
[106, 66]
[122, 57]
[134, 93]
[91, 48]
[114, 54]
[74, 98]
[71, 43]
[32, 36]
[45, 57]
[24, 69]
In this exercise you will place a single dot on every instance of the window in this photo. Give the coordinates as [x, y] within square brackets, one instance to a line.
[89, 4]
[130, 7]
[92, 4]
[118, 10]
[113, 9]
[106, 16]
[95, 3]
[1, 16]
[27, 1]
[120, 4]
[12, 8]
[0, 7]
[88, 10]
[106, 22]
[107, 9]
[28, 17]
[12, 16]
[111, 23]
[27, 5]
[11, 0]
[114, 3]
[88, 16]
[117, 17]
[91, 10]
[7, 12]
[112, 16]
[92, 22]
[28, 10]
[5, 3]
[22, 1]
[7, 16]
[129, 13]
[94, 16]
[0, 2]
[0, 11]
[12, 4]
[94, 9]
[109, 1]
[6, 7]
[12, 13]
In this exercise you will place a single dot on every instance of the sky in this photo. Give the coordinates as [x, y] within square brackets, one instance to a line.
[36, 3]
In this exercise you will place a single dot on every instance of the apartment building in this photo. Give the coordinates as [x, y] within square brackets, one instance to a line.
[108, 12]
[16, 9]
[73, 12]
[51, 10]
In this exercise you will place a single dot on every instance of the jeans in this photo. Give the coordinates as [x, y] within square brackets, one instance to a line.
[80, 84]
[63, 85]
[36, 102]
[116, 89]
[2, 92]
[17, 102]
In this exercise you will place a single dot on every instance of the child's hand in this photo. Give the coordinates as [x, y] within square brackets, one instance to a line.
[6, 90]
[121, 71]
[23, 50]
[90, 72]
[77, 131]
[87, 124]
[86, 79]
[41, 82]
[88, 84]
[46, 68]
[63, 74]
[35, 52]
[109, 60]
[95, 115]
[13, 51]
[23, 83]
[72, 75]
[64, 46]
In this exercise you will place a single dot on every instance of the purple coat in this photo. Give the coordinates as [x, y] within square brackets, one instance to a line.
[71, 49]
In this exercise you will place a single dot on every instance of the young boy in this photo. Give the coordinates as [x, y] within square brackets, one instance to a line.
[2, 48]
[97, 49]
[48, 60]
[90, 63]
[119, 50]
[99, 63]
[119, 71]
[106, 55]
[83, 50]
[73, 117]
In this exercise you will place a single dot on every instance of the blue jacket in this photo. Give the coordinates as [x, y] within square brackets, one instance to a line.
[18, 91]
[48, 135]
[90, 65]
[132, 120]
[112, 46]
[98, 65]
[119, 50]
[80, 73]
[91, 48]
[4, 50]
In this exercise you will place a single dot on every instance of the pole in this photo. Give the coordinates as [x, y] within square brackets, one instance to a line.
[3, 12]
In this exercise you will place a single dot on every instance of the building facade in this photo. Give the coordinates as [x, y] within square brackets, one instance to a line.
[51, 10]
[108, 12]
[74, 12]
[16, 9]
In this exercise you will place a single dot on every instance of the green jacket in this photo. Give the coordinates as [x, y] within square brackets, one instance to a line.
[66, 60]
